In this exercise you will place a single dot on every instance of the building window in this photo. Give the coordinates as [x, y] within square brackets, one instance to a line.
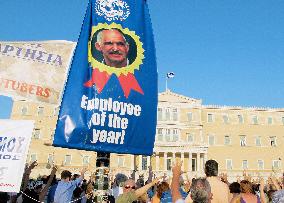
[67, 160]
[245, 164]
[241, 118]
[33, 157]
[276, 164]
[169, 163]
[175, 135]
[193, 166]
[144, 163]
[190, 137]
[254, 120]
[168, 135]
[243, 140]
[211, 140]
[273, 141]
[86, 160]
[175, 114]
[24, 110]
[40, 110]
[209, 118]
[189, 116]
[269, 120]
[227, 140]
[160, 134]
[229, 164]
[260, 164]
[258, 141]
[225, 119]
[120, 161]
[50, 159]
[160, 114]
[168, 114]
[36, 134]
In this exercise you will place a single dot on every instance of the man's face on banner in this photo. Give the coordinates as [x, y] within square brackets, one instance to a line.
[114, 48]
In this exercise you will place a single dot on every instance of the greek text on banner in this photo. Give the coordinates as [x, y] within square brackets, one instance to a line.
[15, 137]
[47, 64]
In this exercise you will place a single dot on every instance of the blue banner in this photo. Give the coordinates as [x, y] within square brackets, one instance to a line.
[110, 98]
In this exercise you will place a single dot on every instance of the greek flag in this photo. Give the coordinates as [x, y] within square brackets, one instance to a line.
[170, 75]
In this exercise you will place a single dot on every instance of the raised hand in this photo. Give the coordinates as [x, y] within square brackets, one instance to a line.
[177, 169]
[261, 185]
[238, 179]
[33, 165]
[224, 177]
[54, 169]
[84, 170]
[157, 180]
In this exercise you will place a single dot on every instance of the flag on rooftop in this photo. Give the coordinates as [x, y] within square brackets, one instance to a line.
[170, 75]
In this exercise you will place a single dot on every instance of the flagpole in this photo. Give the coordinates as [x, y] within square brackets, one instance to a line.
[166, 83]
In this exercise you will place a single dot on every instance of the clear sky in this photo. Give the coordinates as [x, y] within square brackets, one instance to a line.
[224, 52]
[6, 104]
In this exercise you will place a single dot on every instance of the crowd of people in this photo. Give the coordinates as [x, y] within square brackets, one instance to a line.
[122, 189]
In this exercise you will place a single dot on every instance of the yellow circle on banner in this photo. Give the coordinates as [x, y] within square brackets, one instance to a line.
[113, 70]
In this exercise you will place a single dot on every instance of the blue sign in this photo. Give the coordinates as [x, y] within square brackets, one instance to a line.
[110, 98]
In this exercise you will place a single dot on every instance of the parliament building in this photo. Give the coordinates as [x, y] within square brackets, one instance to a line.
[238, 138]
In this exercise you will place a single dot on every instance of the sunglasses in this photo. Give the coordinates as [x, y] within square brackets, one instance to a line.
[128, 186]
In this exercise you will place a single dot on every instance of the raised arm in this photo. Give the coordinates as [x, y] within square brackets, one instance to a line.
[26, 175]
[224, 178]
[83, 171]
[175, 182]
[261, 190]
[90, 187]
[139, 192]
[46, 187]
[150, 177]
[275, 183]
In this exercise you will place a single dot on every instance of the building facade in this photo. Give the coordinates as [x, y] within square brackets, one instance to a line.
[239, 138]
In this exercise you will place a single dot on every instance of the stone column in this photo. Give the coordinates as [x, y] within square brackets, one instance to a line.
[165, 160]
[190, 161]
[132, 160]
[148, 161]
[140, 163]
[182, 159]
[157, 161]
[205, 157]
[202, 162]
[198, 162]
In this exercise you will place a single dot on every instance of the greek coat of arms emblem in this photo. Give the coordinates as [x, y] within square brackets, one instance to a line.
[112, 9]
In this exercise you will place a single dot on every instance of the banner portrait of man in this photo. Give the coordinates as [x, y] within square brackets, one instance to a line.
[113, 48]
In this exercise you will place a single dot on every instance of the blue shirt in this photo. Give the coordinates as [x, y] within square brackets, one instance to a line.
[167, 196]
[51, 193]
[64, 190]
